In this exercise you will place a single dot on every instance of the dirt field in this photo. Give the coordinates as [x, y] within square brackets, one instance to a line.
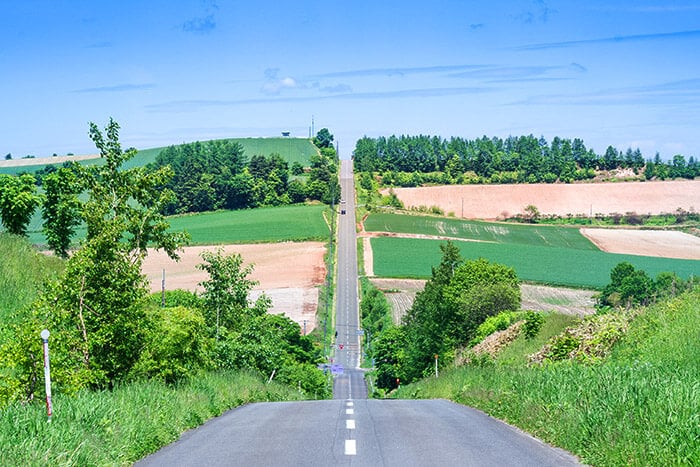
[646, 242]
[499, 201]
[402, 292]
[289, 273]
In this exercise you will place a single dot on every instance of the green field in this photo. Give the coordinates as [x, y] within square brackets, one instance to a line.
[298, 223]
[410, 257]
[540, 235]
[291, 149]
[276, 224]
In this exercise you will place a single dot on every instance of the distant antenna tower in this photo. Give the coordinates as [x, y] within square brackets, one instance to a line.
[312, 126]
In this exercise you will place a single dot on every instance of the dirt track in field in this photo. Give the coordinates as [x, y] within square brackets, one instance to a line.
[289, 273]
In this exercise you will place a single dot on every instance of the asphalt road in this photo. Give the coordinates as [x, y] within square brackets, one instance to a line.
[351, 383]
[351, 429]
[362, 432]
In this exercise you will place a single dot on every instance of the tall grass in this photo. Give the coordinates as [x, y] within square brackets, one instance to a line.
[23, 272]
[639, 407]
[121, 426]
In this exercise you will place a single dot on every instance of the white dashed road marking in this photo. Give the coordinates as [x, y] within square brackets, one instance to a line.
[350, 424]
[350, 447]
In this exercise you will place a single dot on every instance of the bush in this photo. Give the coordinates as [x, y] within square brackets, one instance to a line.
[175, 344]
[500, 322]
[533, 324]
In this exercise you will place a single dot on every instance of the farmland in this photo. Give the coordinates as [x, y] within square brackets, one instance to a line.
[563, 237]
[502, 201]
[411, 257]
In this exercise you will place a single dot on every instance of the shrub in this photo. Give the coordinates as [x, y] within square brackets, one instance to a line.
[175, 344]
[533, 324]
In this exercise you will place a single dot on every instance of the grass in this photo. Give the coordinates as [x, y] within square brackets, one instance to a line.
[638, 407]
[121, 426]
[581, 268]
[23, 272]
[537, 235]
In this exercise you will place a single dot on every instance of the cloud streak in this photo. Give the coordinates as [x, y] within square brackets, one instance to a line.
[117, 88]
[396, 71]
[692, 34]
[193, 105]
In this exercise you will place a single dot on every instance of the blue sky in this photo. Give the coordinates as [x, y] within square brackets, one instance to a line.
[625, 73]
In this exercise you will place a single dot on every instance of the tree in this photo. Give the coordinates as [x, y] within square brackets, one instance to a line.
[95, 306]
[18, 201]
[61, 209]
[226, 291]
[324, 138]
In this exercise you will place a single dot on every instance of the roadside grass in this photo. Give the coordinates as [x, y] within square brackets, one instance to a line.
[536, 235]
[637, 407]
[23, 272]
[121, 426]
[413, 258]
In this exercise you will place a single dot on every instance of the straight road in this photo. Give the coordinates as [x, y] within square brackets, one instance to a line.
[348, 353]
[351, 429]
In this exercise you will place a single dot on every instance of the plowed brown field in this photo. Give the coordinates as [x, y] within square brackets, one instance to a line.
[499, 201]
[289, 273]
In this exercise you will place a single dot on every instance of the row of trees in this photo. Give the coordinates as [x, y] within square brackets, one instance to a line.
[105, 329]
[523, 159]
[217, 175]
[445, 315]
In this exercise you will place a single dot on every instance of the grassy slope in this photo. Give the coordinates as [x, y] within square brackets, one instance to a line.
[22, 274]
[121, 426]
[638, 407]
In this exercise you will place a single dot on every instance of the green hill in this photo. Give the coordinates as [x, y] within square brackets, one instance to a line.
[291, 149]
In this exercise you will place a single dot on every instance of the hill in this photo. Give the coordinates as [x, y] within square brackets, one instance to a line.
[291, 149]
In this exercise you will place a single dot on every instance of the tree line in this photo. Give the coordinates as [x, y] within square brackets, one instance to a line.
[413, 160]
[218, 175]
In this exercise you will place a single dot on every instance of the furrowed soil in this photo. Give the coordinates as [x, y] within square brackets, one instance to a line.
[501, 201]
[289, 273]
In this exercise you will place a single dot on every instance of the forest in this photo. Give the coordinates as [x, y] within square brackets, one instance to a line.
[415, 160]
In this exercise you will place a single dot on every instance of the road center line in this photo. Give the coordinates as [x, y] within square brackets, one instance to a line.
[350, 447]
[350, 424]
[349, 411]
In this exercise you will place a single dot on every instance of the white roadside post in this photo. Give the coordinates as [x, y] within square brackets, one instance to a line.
[436, 365]
[47, 372]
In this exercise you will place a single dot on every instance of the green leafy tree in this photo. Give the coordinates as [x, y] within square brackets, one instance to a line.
[18, 201]
[324, 138]
[95, 309]
[61, 209]
[226, 292]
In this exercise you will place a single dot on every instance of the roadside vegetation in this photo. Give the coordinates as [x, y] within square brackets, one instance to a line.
[123, 425]
[632, 403]
[111, 342]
